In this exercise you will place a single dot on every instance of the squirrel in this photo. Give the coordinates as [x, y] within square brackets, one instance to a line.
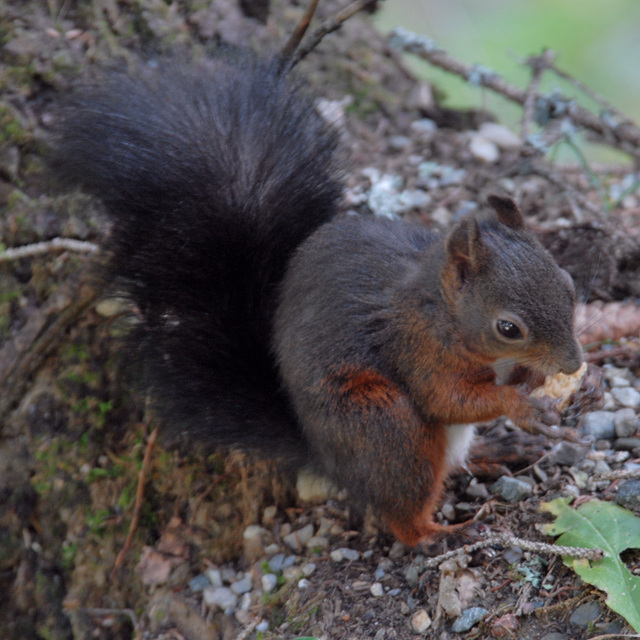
[271, 320]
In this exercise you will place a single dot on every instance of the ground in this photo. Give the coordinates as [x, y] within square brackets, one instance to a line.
[73, 436]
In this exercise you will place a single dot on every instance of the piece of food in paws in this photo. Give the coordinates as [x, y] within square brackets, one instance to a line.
[561, 386]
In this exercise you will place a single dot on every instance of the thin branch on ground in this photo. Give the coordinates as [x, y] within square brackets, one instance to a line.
[296, 37]
[137, 510]
[327, 27]
[538, 66]
[619, 474]
[527, 545]
[624, 135]
[44, 330]
[38, 248]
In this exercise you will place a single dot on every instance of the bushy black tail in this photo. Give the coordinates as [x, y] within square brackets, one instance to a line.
[213, 174]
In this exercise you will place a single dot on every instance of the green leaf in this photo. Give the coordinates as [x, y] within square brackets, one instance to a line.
[596, 524]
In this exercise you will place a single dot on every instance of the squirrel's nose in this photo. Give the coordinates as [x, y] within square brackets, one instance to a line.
[572, 360]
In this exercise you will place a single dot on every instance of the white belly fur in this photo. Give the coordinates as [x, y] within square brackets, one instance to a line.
[459, 438]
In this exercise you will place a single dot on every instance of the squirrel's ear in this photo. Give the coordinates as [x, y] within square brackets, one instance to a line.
[507, 211]
[465, 249]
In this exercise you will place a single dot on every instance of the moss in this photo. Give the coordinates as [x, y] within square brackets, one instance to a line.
[12, 131]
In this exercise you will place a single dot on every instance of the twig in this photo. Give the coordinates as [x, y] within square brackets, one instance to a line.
[527, 545]
[625, 136]
[538, 66]
[327, 27]
[620, 474]
[44, 329]
[294, 41]
[97, 611]
[596, 97]
[29, 250]
[138, 504]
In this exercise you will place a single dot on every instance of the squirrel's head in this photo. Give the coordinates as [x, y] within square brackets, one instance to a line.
[508, 298]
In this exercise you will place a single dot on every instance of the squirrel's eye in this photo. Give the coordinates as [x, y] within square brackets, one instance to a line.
[509, 329]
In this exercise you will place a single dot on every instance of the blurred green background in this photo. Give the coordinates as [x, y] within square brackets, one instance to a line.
[596, 41]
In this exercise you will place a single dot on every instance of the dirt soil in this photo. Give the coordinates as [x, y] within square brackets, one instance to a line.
[73, 436]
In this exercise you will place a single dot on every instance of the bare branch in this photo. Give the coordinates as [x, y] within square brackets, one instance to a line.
[624, 135]
[37, 248]
[327, 27]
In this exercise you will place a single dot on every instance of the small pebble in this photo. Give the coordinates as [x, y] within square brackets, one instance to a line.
[275, 564]
[618, 381]
[262, 626]
[441, 215]
[215, 577]
[412, 575]
[483, 149]
[312, 488]
[318, 542]
[598, 424]
[499, 135]
[626, 396]
[420, 621]
[269, 582]
[228, 575]
[199, 583]
[398, 143]
[585, 615]
[338, 555]
[220, 597]
[291, 573]
[242, 617]
[308, 569]
[468, 619]
[567, 454]
[376, 590]
[269, 515]
[245, 602]
[296, 540]
[608, 403]
[397, 550]
[626, 422]
[252, 543]
[450, 176]
[448, 511]
[303, 583]
[242, 586]
[424, 126]
[478, 490]
[610, 372]
[628, 495]
[627, 444]
[512, 555]
[601, 467]
[511, 489]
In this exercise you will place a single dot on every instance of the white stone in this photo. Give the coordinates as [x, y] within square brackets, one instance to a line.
[483, 149]
[499, 135]
[420, 621]
[298, 539]
[269, 582]
[220, 597]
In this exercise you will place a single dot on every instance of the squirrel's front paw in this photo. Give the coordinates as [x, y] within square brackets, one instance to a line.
[543, 417]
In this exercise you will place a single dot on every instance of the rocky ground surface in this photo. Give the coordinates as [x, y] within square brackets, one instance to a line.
[227, 547]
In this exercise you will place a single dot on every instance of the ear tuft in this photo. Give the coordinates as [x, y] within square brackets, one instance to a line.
[465, 249]
[507, 211]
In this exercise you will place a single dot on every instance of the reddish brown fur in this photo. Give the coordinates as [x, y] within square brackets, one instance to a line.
[367, 388]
